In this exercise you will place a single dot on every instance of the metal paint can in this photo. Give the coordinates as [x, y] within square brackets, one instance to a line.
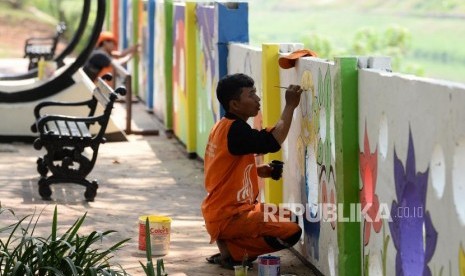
[269, 266]
[160, 229]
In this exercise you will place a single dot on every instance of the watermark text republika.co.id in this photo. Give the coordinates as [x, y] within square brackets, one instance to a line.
[331, 212]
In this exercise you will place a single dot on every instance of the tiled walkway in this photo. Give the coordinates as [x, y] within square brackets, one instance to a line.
[146, 175]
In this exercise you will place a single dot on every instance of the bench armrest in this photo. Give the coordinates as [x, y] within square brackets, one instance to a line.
[38, 107]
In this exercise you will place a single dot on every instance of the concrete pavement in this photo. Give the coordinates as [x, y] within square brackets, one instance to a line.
[145, 175]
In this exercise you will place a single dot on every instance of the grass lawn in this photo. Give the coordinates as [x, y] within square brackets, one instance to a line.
[437, 43]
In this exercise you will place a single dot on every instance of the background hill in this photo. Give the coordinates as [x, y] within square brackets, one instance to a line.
[425, 37]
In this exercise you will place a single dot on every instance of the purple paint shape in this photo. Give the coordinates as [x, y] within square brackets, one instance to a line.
[408, 217]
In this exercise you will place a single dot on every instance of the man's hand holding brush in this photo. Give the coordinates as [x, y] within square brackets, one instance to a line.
[292, 97]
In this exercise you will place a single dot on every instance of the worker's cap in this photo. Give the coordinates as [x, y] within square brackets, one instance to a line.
[106, 36]
[288, 61]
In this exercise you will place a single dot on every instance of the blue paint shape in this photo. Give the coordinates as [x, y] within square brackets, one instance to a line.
[312, 224]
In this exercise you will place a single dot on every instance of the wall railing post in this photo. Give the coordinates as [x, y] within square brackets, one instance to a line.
[121, 72]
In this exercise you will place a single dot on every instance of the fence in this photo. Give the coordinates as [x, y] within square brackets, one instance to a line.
[373, 161]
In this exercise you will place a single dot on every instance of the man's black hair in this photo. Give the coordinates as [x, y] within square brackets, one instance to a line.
[230, 88]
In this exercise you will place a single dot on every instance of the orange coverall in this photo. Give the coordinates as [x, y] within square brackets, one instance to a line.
[231, 210]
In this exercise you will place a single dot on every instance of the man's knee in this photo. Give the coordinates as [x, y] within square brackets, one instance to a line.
[294, 238]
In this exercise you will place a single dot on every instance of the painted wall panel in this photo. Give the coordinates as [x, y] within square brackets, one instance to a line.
[309, 156]
[150, 54]
[159, 104]
[211, 56]
[272, 106]
[143, 63]
[179, 73]
[411, 140]
[134, 38]
[115, 19]
[207, 105]
[191, 78]
[233, 26]
[168, 60]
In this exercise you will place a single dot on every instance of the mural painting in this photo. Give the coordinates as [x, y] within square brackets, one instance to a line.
[409, 170]
[312, 155]
[207, 104]
[144, 49]
[159, 96]
[179, 74]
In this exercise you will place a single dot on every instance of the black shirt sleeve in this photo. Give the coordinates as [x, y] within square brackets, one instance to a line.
[243, 139]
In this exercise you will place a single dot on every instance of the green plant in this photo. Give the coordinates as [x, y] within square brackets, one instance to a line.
[148, 268]
[23, 253]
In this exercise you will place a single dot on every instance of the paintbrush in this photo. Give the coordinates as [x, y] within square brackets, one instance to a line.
[283, 87]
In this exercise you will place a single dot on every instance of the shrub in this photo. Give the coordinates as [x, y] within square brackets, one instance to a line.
[22, 253]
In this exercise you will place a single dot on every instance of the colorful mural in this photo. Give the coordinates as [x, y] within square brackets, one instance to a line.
[402, 163]
[416, 172]
[311, 153]
[217, 25]
[159, 98]
[207, 105]
[143, 64]
[179, 73]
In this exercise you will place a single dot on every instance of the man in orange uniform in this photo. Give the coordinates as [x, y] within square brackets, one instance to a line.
[233, 216]
[99, 62]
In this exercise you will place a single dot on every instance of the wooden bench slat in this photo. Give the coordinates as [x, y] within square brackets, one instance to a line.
[73, 128]
[51, 126]
[83, 129]
[64, 131]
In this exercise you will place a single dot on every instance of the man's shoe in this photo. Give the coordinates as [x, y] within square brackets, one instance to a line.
[227, 263]
[214, 259]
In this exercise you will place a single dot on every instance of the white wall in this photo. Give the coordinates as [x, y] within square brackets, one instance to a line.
[393, 109]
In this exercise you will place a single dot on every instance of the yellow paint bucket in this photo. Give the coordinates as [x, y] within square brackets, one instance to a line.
[160, 229]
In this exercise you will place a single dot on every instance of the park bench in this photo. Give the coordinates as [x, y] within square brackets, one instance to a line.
[66, 138]
[36, 48]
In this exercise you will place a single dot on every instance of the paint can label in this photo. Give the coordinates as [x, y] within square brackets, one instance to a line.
[160, 228]
[269, 266]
